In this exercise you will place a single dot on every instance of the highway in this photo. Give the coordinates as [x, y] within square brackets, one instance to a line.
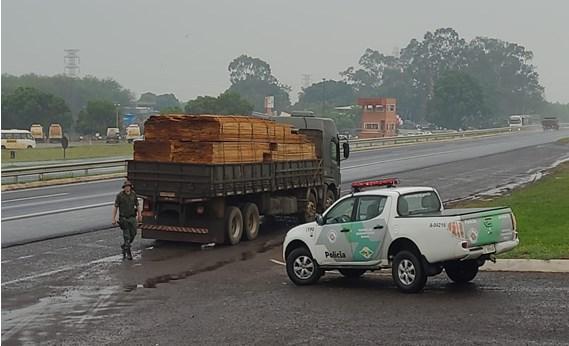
[41, 213]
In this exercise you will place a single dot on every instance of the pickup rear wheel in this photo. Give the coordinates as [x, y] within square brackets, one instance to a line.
[301, 268]
[462, 272]
[352, 273]
[233, 225]
[251, 221]
[408, 272]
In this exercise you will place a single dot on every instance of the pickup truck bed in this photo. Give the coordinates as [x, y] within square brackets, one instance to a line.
[459, 212]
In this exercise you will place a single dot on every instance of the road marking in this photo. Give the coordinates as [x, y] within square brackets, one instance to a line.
[58, 211]
[401, 159]
[66, 268]
[277, 262]
[24, 257]
[34, 197]
[110, 195]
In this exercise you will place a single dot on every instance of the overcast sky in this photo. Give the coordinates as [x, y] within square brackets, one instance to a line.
[184, 46]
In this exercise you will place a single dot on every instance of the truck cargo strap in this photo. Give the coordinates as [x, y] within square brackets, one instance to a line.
[197, 230]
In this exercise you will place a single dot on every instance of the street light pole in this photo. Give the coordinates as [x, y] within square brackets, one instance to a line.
[117, 105]
[323, 94]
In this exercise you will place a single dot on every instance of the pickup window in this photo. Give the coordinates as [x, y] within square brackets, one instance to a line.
[341, 213]
[418, 203]
[370, 207]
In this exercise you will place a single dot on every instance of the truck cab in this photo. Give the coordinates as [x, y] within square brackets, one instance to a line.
[406, 229]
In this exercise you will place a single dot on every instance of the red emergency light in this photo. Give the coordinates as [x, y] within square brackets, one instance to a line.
[358, 185]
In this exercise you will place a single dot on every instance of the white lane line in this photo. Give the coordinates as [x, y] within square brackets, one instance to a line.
[24, 257]
[400, 159]
[277, 262]
[58, 211]
[72, 199]
[34, 197]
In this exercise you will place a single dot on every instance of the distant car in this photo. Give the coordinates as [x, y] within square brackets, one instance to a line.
[113, 135]
[17, 139]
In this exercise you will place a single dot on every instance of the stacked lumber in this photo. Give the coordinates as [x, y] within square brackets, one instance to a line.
[211, 139]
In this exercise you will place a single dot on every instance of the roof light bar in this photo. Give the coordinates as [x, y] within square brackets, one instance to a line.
[358, 185]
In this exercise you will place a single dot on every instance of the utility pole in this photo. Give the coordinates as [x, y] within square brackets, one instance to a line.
[323, 94]
[117, 105]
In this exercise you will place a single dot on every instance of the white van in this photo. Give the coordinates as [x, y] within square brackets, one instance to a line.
[17, 139]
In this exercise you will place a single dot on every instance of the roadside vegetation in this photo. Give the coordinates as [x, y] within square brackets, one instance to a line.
[542, 211]
[73, 153]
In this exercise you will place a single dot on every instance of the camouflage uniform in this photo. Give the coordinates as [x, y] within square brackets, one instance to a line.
[128, 205]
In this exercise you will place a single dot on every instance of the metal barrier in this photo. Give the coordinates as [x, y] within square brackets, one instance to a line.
[43, 172]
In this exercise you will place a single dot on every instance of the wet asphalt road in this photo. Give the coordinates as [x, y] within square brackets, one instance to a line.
[77, 290]
[40, 213]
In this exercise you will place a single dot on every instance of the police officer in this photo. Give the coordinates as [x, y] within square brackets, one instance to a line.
[129, 215]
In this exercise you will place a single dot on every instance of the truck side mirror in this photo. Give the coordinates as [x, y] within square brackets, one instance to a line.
[346, 147]
[319, 220]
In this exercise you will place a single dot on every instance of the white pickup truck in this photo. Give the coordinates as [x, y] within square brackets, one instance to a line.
[403, 228]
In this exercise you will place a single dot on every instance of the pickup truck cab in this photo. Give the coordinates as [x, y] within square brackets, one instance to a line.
[406, 229]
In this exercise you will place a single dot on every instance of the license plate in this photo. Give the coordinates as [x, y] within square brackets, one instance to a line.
[489, 248]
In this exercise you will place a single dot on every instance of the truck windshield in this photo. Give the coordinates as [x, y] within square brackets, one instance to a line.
[418, 203]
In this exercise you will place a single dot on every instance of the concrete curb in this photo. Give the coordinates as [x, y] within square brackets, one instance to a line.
[12, 187]
[527, 265]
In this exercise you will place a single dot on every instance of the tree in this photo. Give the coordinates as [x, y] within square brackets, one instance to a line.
[97, 117]
[251, 78]
[172, 110]
[245, 67]
[27, 106]
[225, 104]
[166, 101]
[329, 92]
[76, 92]
[458, 102]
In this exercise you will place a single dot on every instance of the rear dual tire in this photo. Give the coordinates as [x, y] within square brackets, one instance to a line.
[242, 223]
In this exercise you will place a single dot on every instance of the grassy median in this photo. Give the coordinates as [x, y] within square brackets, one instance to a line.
[542, 213]
[73, 153]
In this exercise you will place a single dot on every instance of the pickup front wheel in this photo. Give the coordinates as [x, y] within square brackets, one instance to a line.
[462, 272]
[408, 272]
[301, 268]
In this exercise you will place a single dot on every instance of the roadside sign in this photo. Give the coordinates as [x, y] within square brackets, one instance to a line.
[64, 145]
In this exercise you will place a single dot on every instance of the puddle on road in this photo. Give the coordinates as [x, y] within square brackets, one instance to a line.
[75, 310]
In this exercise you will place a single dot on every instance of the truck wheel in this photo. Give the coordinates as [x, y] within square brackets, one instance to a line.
[408, 272]
[301, 268]
[461, 272]
[309, 213]
[233, 225]
[251, 221]
[352, 273]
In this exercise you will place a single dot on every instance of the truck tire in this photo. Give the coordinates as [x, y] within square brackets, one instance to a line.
[461, 272]
[352, 273]
[330, 199]
[301, 268]
[251, 221]
[408, 273]
[309, 212]
[233, 225]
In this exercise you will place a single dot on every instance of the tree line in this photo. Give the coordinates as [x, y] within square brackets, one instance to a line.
[441, 79]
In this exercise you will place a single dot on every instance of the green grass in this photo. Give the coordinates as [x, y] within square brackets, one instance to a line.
[73, 153]
[542, 213]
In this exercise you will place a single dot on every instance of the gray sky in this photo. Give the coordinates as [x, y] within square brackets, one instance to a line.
[184, 46]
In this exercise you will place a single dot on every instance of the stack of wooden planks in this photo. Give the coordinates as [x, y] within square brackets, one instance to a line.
[218, 139]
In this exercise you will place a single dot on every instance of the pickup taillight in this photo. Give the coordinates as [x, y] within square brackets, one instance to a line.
[456, 228]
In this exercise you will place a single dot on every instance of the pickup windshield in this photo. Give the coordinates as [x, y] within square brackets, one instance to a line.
[418, 203]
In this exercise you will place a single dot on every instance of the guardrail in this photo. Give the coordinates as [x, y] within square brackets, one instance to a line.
[99, 167]
[54, 171]
[366, 144]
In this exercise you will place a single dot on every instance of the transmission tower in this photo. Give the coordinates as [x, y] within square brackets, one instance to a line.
[71, 63]
[306, 82]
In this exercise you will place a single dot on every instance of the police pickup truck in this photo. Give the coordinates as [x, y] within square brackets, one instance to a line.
[406, 229]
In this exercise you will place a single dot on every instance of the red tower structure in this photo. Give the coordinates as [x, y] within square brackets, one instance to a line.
[379, 117]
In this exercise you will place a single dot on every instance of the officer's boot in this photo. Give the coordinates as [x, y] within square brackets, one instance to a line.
[128, 254]
[123, 252]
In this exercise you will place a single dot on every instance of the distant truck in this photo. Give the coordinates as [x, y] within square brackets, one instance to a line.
[223, 203]
[550, 123]
[133, 133]
[405, 229]
[517, 122]
[55, 133]
[37, 132]
[113, 135]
